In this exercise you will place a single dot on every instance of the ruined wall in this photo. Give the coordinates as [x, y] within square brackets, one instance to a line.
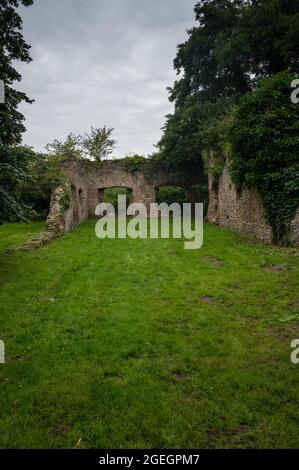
[86, 182]
[112, 174]
[244, 212]
[60, 220]
[294, 235]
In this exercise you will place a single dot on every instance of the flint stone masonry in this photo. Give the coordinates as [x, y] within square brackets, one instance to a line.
[244, 212]
[86, 182]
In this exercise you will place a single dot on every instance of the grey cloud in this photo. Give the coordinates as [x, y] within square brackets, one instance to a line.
[101, 62]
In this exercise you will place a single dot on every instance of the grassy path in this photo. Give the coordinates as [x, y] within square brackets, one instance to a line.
[139, 343]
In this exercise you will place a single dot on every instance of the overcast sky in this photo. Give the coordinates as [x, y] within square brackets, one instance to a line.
[101, 62]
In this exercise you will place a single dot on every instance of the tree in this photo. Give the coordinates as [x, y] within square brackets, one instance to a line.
[69, 149]
[235, 44]
[270, 29]
[98, 143]
[13, 173]
[201, 59]
[13, 170]
[46, 174]
[12, 48]
[180, 147]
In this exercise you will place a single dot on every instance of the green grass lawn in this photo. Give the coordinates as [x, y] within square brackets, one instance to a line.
[140, 343]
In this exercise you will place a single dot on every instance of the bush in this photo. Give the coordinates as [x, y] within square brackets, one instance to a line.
[65, 201]
[26, 181]
[134, 163]
[265, 150]
[13, 174]
[111, 196]
[170, 194]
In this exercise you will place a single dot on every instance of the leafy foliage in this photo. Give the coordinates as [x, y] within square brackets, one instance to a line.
[111, 196]
[135, 163]
[170, 194]
[13, 173]
[98, 144]
[65, 200]
[236, 43]
[12, 48]
[265, 150]
[95, 146]
[179, 147]
[26, 181]
[207, 71]
[46, 174]
[66, 150]
[13, 169]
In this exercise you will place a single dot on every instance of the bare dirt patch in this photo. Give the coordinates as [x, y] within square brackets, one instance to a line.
[59, 430]
[173, 253]
[276, 269]
[181, 375]
[216, 263]
[294, 305]
[286, 332]
[211, 300]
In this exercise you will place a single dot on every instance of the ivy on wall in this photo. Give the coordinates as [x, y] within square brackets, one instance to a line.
[264, 150]
[65, 201]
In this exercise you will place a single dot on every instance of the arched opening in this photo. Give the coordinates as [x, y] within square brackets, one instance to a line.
[171, 194]
[75, 205]
[81, 200]
[110, 195]
[81, 197]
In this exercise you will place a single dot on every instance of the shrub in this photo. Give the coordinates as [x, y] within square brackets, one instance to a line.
[111, 196]
[134, 163]
[170, 194]
[65, 201]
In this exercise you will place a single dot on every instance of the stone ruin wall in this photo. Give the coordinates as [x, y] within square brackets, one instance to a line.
[77, 212]
[87, 182]
[243, 212]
